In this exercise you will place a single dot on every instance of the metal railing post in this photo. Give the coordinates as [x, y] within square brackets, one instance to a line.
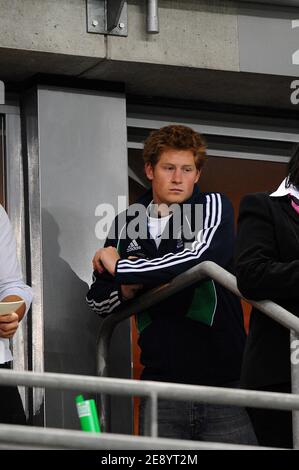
[154, 414]
[150, 418]
[103, 342]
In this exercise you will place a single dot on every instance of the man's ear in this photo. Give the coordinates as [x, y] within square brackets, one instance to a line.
[149, 171]
[198, 175]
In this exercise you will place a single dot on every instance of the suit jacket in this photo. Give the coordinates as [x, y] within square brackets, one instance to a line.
[267, 267]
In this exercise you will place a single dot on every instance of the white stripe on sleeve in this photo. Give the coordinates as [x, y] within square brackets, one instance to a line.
[212, 221]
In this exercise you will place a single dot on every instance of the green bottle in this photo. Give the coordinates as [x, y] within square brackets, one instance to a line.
[87, 413]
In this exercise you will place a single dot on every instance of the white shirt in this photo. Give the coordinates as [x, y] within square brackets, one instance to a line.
[11, 281]
[283, 191]
[156, 225]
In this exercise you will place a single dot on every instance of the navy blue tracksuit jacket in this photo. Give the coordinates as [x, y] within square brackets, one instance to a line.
[197, 336]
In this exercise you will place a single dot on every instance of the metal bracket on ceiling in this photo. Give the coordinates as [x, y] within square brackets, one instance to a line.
[2, 92]
[107, 17]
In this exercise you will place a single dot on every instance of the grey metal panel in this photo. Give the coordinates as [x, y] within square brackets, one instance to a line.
[231, 129]
[267, 40]
[82, 137]
[218, 153]
[15, 209]
[31, 149]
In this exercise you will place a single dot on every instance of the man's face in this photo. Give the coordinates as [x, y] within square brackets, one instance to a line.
[173, 177]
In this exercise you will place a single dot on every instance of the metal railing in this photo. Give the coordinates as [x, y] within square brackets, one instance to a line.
[206, 269]
[28, 436]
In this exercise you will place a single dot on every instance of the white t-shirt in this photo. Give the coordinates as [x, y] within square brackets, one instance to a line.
[156, 225]
[11, 281]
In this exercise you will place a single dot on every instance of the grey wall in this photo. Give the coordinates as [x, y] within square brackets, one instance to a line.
[82, 139]
[202, 34]
[267, 40]
[195, 33]
[220, 51]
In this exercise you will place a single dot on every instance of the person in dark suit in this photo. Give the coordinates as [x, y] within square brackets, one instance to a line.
[267, 267]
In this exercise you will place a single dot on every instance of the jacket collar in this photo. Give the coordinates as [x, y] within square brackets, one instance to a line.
[285, 190]
[171, 244]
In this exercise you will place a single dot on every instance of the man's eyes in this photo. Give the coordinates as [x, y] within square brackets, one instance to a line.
[172, 168]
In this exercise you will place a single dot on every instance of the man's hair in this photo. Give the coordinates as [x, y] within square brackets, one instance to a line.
[293, 169]
[174, 137]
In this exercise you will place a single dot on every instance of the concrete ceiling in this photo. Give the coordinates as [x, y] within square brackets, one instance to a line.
[184, 83]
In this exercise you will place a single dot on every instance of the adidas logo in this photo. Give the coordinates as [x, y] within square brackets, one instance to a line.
[133, 246]
[179, 244]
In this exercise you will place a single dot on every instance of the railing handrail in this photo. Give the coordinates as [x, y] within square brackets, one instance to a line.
[70, 439]
[153, 390]
[146, 388]
[28, 436]
[206, 269]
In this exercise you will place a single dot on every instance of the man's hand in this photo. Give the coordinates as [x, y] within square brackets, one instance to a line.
[8, 325]
[105, 259]
[129, 291]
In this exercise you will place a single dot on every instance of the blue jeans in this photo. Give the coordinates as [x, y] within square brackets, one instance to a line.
[201, 422]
